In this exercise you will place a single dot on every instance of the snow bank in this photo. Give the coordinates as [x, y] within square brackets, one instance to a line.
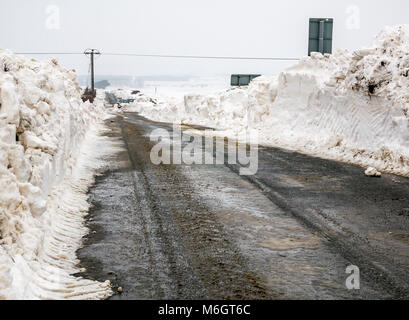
[50, 146]
[347, 106]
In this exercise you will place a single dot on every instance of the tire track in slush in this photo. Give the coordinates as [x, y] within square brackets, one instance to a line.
[179, 229]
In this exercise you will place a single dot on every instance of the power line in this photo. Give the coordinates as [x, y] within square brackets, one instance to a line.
[197, 57]
[166, 56]
[49, 53]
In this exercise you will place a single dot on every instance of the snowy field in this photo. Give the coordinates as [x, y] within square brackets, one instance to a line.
[349, 106]
[51, 146]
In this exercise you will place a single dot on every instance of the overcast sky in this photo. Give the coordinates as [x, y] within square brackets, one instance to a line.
[259, 28]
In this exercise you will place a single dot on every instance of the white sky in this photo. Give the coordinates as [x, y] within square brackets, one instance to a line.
[265, 28]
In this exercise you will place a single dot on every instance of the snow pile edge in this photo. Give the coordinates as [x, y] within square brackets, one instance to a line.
[52, 145]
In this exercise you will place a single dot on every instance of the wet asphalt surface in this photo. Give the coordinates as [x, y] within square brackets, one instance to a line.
[205, 232]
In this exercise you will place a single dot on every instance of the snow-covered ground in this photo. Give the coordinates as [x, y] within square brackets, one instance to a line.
[50, 147]
[349, 106]
[203, 85]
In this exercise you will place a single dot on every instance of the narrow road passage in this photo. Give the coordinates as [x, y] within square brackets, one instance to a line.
[204, 232]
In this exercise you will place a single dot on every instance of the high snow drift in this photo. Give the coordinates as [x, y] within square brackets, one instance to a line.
[50, 146]
[347, 106]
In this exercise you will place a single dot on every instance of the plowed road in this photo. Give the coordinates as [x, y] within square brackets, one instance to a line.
[203, 231]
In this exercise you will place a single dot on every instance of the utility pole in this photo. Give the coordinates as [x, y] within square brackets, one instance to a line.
[92, 71]
[92, 53]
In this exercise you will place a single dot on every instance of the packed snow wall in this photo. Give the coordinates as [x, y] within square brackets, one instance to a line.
[50, 146]
[347, 106]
